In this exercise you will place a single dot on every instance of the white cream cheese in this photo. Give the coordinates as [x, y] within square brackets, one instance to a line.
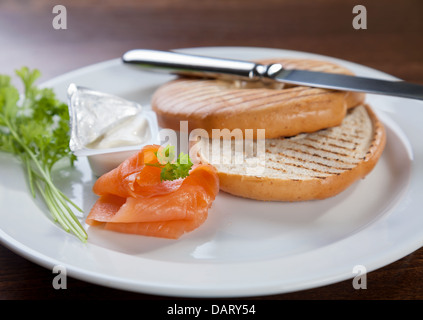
[131, 131]
[106, 128]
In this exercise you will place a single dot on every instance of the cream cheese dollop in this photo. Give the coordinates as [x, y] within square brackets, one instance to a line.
[133, 130]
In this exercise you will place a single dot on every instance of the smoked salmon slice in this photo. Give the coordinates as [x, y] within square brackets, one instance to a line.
[133, 199]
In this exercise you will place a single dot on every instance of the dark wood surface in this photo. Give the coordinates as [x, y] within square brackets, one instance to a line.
[102, 30]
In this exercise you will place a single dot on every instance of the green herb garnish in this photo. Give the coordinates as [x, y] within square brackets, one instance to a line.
[35, 128]
[171, 169]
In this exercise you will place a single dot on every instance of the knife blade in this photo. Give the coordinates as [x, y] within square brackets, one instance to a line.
[202, 66]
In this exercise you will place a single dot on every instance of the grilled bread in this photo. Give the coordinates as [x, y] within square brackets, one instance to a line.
[304, 167]
[280, 110]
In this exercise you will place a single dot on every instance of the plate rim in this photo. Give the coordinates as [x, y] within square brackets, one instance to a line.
[48, 262]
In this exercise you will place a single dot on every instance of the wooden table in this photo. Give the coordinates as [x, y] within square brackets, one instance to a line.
[103, 30]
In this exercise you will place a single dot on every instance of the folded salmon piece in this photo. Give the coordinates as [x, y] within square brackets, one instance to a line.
[133, 178]
[133, 199]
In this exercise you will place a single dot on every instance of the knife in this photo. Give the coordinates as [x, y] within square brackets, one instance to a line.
[202, 66]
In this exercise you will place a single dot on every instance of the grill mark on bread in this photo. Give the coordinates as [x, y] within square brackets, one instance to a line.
[306, 161]
[177, 97]
[275, 99]
[174, 94]
[297, 165]
[324, 158]
[351, 135]
[313, 150]
[326, 150]
[218, 105]
[292, 100]
[171, 100]
[351, 141]
[175, 103]
[178, 101]
[174, 90]
[339, 146]
[283, 96]
[257, 96]
[298, 175]
[205, 101]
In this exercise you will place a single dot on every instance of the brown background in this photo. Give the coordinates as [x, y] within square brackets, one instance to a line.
[102, 30]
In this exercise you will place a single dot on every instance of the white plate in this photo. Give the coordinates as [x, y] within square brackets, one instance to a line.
[246, 247]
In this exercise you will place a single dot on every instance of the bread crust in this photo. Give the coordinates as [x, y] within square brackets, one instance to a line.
[271, 189]
[214, 104]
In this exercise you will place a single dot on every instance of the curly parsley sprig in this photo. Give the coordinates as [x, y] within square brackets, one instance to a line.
[171, 169]
[35, 128]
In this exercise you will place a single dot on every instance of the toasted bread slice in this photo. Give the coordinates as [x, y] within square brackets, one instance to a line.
[308, 166]
[280, 110]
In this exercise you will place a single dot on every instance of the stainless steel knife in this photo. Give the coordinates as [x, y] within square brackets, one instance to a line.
[202, 66]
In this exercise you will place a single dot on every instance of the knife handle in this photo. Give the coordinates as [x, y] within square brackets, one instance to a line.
[193, 65]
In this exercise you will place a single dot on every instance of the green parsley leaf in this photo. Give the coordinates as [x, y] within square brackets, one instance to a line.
[171, 169]
[34, 127]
